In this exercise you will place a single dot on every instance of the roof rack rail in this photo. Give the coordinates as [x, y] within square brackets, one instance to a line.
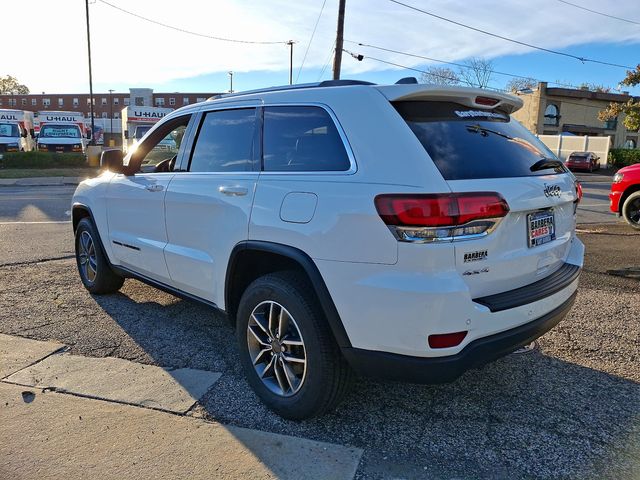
[326, 83]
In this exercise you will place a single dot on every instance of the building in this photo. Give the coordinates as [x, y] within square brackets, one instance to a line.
[554, 111]
[104, 104]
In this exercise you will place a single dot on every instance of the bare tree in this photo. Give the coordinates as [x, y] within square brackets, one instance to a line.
[520, 83]
[440, 76]
[479, 72]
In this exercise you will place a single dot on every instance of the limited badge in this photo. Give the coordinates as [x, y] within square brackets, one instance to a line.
[475, 256]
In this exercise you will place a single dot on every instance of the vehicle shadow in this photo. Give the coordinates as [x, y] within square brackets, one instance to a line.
[524, 416]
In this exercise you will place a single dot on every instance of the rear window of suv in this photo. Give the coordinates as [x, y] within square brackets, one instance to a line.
[467, 143]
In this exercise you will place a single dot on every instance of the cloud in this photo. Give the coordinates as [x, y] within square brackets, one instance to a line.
[129, 51]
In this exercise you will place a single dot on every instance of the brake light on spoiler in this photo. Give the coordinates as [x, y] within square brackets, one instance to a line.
[449, 217]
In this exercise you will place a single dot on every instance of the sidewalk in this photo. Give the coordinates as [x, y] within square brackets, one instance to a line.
[74, 435]
[39, 181]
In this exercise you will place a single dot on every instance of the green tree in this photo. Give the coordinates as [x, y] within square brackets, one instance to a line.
[631, 108]
[10, 85]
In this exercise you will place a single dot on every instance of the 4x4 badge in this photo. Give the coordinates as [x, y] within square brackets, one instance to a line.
[552, 190]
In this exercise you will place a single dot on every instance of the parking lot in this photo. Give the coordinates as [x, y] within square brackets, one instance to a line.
[568, 409]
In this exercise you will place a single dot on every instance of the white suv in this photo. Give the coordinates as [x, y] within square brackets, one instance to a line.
[405, 231]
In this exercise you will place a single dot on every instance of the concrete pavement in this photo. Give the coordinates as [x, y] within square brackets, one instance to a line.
[47, 434]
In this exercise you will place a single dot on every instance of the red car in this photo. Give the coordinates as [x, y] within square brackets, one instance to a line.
[625, 194]
[583, 161]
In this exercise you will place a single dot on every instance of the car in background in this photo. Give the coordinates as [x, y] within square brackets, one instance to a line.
[583, 161]
[625, 194]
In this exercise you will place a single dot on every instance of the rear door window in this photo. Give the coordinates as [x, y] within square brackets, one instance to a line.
[467, 143]
[302, 139]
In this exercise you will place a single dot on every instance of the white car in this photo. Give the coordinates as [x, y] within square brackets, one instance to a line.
[404, 231]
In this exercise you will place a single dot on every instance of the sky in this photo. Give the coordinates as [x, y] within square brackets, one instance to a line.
[128, 51]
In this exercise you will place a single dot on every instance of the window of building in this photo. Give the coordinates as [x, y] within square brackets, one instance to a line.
[200, 99]
[172, 101]
[302, 139]
[611, 124]
[552, 115]
[225, 142]
[630, 143]
[34, 101]
[139, 101]
[160, 102]
[60, 102]
[46, 102]
[185, 100]
[89, 101]
[75, 102]
[116, 114]
[103, 102]
[23, 102]
[105, 115]
[116, 101]
[12, 102]
[126, 101]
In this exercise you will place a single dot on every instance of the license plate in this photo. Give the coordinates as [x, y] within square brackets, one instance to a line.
[541, 228]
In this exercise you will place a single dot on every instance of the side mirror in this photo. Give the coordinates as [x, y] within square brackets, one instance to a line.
[126, 134]
[112, 160]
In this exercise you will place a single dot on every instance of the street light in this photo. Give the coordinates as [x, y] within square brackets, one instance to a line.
[231, 81]
[111, 142]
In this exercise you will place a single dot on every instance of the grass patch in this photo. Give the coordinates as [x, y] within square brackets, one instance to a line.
[35, 159]
[48, 172]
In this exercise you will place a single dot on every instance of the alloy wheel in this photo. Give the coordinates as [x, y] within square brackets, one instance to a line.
[276, 348]
[87, 256]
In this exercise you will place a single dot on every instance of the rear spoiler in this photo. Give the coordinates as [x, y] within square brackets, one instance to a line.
[467, 96]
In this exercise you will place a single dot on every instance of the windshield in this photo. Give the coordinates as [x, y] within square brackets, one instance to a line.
[141, 131]
[60, 131]
[9, 130]
[465, 143]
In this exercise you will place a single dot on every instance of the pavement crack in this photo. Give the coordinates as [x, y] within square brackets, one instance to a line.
[31, 262]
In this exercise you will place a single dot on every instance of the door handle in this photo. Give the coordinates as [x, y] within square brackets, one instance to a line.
[154, 188]
[236, 191]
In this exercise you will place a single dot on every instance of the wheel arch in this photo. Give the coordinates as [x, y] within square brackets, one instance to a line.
[630, 190]
[252, 259]
[80, 211]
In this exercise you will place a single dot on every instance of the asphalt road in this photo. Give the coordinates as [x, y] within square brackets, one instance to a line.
[568, 409]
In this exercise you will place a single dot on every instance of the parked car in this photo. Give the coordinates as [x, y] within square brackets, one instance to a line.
[408, 232]
[625, 194]
[583, 161]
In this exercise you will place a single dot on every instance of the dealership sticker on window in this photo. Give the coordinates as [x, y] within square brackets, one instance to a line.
[479, 113]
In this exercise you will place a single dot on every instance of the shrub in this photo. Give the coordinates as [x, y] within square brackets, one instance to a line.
[621, 157]
[42, 160]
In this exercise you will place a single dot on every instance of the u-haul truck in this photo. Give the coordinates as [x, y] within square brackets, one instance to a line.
[16, 131]
[137, 121]
[61, 132]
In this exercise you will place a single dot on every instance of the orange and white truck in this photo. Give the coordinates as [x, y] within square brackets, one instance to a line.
[16, 131]
[137, 121]
[61, 132]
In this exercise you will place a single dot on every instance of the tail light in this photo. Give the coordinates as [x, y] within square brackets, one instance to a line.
[441, 217]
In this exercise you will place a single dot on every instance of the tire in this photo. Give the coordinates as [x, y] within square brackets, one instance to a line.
[93, 267]
[631, 210]
[310, 389]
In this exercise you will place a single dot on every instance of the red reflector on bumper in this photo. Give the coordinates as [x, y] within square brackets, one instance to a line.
[446, 340]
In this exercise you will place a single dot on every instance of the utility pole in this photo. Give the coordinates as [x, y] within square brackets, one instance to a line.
[337, 59]
[290, 43]
[86, 4]
[230, 81]
[111, 116]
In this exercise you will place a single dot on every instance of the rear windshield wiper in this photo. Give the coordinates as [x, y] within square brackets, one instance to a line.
[545, 163]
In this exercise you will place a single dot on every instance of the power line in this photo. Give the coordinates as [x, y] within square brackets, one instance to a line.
[600, 13]
[326, 63]
[460, 65]
[555, 52]
[359, 57]
[178, 29]
[310, 40]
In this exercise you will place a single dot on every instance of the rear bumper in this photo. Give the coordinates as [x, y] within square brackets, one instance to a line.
[406, 368]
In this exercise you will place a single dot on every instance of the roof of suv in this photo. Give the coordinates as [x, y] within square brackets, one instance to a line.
[399, 92]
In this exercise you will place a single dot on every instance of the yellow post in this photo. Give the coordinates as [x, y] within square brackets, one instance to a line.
[93, 155]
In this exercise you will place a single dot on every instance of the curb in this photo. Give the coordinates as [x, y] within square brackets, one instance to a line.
[40, 181]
